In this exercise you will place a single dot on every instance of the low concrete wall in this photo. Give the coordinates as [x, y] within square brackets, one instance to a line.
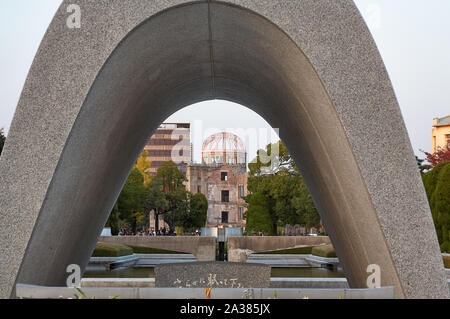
[279, 260]
[151, 260]
[291, 260]
[203, 248]
[315, 283]
[312, 283]
[40, 292]
[136, 260]
[118, 282]
[239, 248]
[108, 263]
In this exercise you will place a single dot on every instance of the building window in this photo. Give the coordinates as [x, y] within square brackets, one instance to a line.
[241, 212]
[448, 141]
[199, 188]
[223, 176]
[225, 196]
[241, 190]
[224, 217]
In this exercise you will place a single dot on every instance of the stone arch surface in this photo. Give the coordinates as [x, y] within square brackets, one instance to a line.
[94, 95]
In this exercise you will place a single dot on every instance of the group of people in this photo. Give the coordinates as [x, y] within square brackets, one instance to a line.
[151, 232]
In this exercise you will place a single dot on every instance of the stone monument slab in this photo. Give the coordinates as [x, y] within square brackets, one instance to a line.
[212, 274]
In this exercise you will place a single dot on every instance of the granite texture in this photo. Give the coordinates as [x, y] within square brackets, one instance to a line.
[94, 95]
[214, 274]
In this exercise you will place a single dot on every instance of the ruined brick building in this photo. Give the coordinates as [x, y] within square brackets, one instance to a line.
[222, 178]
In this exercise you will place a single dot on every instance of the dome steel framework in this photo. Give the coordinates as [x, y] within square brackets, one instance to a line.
[224, 148]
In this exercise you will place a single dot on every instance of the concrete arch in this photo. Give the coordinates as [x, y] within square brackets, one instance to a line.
[95, 94]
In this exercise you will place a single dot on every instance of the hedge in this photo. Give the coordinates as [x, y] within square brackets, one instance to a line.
[324, 251]
[446, 261]
[321, 250]
[147, 250]
[103, 249]
[437, 186]
[298, 250]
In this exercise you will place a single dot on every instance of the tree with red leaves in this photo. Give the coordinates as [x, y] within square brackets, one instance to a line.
[440, 156]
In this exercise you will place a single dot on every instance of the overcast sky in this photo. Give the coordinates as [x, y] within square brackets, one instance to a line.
[413, 37]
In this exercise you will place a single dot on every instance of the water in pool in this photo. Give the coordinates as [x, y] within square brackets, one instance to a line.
[148, 272]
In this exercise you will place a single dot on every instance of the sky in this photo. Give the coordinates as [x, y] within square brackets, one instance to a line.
[412, 36]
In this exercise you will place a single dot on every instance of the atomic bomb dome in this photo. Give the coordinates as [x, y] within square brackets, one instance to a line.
[224, 148]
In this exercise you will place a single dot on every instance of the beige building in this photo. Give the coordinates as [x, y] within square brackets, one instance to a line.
[440, 133]
[222, 178]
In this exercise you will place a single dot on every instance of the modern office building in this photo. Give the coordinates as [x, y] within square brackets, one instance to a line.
[170, 142]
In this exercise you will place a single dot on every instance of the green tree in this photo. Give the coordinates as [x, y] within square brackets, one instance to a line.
[178, 200]
[441, 199]
[164, 194]
[130, 201]
[258, 216]
[170, 180]
[261, 189]
[437, 186]
[143, 164]
[284, 189]
[273, 159]
[422, 167]
[114, 220]
[194, 217]
[304, 206]
[430, 180]
[2, 140]
[286, 198]
[155, 200]
[169, 177]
